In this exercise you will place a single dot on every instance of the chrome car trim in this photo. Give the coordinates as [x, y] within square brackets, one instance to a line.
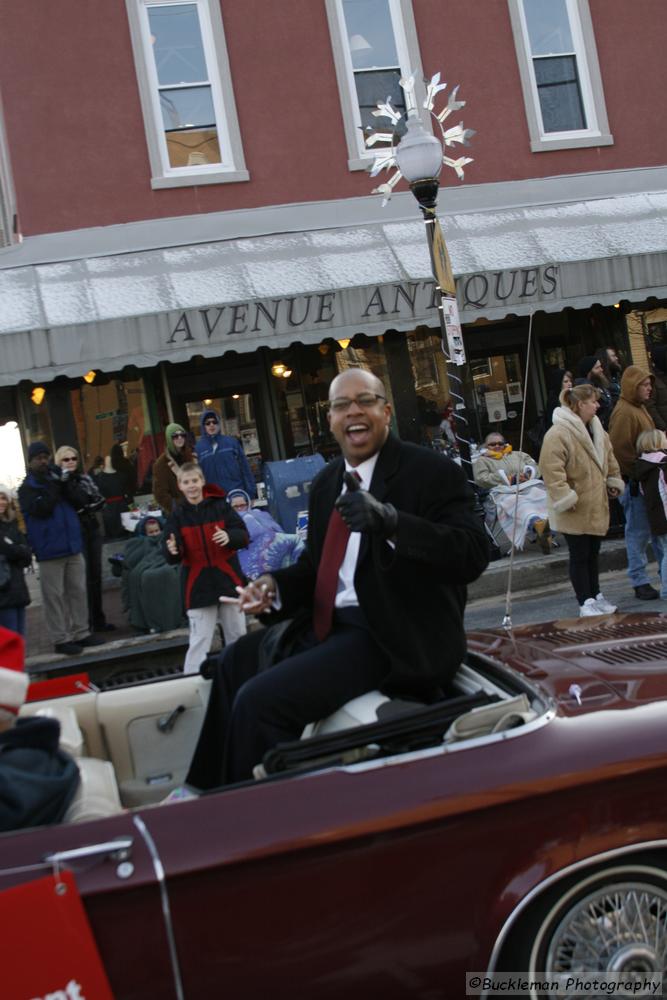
[540, 887]
[118, 850]
[164, 899]
[447, 748]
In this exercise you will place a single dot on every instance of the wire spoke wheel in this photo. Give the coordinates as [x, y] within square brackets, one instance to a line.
[609, 928]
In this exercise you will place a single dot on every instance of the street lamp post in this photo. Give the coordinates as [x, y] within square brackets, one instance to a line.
[418, 157]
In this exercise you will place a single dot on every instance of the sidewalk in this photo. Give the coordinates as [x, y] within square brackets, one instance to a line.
[532, 571]
[39, 646]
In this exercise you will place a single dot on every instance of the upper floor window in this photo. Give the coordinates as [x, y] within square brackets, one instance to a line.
[186, 92]
[374, 45]
[8, 218]
[560, 74]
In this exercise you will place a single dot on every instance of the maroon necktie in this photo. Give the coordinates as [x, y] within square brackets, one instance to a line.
[326, 584]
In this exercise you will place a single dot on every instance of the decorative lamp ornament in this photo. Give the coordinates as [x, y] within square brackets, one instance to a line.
[278, 368]
[418, 156]
[345, 342]
[90, 377]
[37, 395]
[417, 162]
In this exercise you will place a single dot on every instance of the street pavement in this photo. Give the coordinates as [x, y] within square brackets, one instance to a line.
[550, 601]
[541, 591]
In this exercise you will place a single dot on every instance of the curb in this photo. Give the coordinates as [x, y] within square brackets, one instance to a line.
[533, 572]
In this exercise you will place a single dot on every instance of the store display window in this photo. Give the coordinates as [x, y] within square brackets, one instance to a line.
[116, 411]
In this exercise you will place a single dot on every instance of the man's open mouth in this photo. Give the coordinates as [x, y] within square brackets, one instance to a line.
[356, 431]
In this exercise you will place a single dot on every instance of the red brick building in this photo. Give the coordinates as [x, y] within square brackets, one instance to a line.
[188, 181]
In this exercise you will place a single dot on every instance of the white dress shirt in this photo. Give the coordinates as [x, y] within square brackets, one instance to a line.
[346, 595]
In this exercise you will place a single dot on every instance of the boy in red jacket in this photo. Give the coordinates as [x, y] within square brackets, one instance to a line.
[203, 532]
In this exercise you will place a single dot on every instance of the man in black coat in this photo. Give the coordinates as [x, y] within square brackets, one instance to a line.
[385, 595]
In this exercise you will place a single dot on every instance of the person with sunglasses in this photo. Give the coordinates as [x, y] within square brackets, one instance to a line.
[82, 492]
[222, 458]
[375, 601]
[176, 453]
[516, 495]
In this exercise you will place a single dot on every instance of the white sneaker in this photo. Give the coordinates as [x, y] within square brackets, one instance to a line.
[589, 608]
[605, 607]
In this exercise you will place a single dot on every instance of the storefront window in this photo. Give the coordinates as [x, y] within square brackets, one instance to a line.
[116, 412]
[429, 371]
[36, 420]
[498, 393]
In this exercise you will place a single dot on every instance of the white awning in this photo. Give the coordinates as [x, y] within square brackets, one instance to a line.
[169, 304]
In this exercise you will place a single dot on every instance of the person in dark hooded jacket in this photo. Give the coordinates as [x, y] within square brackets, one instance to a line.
[657, 404]
[203, 533]
[37, 780]
[222, 457]
[590, 370]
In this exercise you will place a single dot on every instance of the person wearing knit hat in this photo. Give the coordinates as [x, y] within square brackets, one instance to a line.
[657, 404]
[38, 448]
[176, 453]
[13, 682]
[38, 780]
[222, 458]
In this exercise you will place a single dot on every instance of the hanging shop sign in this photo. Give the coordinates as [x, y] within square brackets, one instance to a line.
[442, 263]
[455, 346]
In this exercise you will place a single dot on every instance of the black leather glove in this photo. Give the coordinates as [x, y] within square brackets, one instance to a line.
[362, 512]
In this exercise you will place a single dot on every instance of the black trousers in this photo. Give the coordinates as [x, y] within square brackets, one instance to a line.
[92, 553]
[250, 712]
[584, 572]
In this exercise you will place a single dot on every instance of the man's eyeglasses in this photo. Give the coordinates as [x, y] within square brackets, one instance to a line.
[214, 423]
[69, 458]
[365, 400]
[495, 444]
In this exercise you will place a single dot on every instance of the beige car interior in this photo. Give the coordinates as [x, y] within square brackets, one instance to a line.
[133, 745]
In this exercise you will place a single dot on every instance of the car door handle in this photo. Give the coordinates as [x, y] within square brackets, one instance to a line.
[119, 850]
[167, 722]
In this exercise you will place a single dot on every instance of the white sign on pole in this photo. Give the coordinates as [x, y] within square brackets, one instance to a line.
[450, 311]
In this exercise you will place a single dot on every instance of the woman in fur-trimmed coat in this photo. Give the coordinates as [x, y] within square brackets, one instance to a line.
[580, 473]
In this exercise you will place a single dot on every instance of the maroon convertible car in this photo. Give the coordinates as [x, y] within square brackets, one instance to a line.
[521, 824]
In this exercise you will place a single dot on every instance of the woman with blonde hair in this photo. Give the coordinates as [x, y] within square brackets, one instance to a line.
[82, 492]
[15, 551]
[580, 473]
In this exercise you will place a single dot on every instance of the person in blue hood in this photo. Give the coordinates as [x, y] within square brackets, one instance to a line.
[222, 458]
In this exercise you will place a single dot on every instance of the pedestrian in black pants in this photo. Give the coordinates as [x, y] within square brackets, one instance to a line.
[86, 499]
[584, 565]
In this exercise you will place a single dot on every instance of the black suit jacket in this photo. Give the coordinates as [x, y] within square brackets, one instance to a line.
[413, 593]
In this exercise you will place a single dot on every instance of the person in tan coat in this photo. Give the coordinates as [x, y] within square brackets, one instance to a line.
[580, 472]
[629, 418]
